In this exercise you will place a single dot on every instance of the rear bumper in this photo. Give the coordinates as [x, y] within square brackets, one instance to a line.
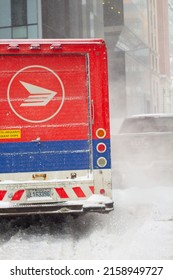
[96, 203]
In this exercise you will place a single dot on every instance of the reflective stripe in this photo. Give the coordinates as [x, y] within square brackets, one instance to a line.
[78, 191]
[2, 194]
[92, 189]
[18, 195]
[61, 192]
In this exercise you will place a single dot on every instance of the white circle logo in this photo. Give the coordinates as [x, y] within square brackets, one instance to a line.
[35, 94]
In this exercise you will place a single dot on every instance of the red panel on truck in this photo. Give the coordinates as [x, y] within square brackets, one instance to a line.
[44, 97]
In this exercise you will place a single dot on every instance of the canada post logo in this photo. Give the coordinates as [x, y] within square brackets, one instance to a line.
[36, 94]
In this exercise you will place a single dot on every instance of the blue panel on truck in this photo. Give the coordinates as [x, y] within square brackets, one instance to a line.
[44, 156]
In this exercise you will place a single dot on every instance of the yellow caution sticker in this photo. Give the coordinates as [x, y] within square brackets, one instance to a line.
[10, 134]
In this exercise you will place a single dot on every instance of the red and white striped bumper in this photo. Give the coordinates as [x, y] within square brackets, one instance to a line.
[72, 198]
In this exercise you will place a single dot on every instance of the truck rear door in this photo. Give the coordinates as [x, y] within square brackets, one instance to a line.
[44, 114]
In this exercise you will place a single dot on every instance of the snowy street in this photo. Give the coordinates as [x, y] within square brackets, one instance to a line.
[140, 227]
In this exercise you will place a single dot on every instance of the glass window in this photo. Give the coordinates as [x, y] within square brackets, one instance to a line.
[18, 12]
[5, 18]
[32, 11]
[19, 32]
[33, 31]
[5, 33]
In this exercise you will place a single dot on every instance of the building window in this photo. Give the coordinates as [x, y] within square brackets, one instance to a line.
[18, 19]
[18, 12]
[5, 13]
[19, 32]
[5, 33]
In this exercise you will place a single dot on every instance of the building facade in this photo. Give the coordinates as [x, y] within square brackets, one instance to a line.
[72, 19]
[160, 56]
[171, 40]
[139, 47]
[51, 19]
[127, 37]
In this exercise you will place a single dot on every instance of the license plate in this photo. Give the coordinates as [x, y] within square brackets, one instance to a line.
[36, 193]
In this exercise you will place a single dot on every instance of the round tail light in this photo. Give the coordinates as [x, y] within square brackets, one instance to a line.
[101, 133]
[101, 162]
[101, 147]
[102, 191]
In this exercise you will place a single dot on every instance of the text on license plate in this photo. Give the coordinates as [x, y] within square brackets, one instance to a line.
[38, 193]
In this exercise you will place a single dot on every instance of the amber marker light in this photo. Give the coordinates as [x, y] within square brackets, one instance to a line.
[101, 133]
